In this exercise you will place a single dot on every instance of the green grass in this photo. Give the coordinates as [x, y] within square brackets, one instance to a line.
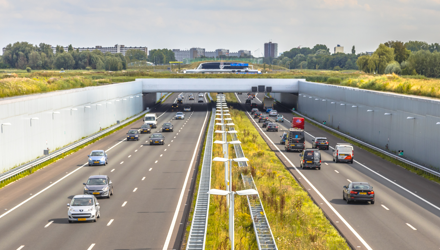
[46, 163]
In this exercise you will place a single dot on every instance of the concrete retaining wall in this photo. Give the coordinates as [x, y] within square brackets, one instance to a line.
[63, 117]
[361, 114]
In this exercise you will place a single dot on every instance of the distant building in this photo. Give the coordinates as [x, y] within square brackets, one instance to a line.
[118, 48]
[369, 53]
[196, 52]
[180, 55]
[193, 53]
[271, 50]
[339, 49]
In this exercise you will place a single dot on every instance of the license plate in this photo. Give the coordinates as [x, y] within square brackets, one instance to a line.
[309, 162]
[131, 137]
[363, 193]
[95, 192]
[156, 142]
[96, 162]
[82, 219]
[322, 143]
[145, 130]
[292, 145]
[167, 129]
[341, 154]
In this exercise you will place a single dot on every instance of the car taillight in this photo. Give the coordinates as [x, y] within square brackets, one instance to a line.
[319, 161]
[353, 192]
[372, 192]
[304, 161]
[326, 142]
[276, 127]
[352, 153]
[337, 152]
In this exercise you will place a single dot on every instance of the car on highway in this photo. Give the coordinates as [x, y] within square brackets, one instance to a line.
[151, 119]
[83, 208]
[283, 138]
[167, 127]
[191, 98]
[266, 123]
[295, 140]
[280, 118]
[310, 158]
[145, 128]
[254, 110]
[273, 112]
[239, 93]
[201, 95]
[320, 142]
[174, 106]
[257, 114]
[180, 116]
[253, 105]
[179, 100]
[263, 118]
[98, 157]
[272, 127]
[99, 186]
[133, 134]
[157, 139]
[200, 99]
[187, 108]
[248, 102]
[358, 191]
[343, 152]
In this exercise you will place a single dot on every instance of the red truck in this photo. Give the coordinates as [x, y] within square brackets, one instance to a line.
[298, 122]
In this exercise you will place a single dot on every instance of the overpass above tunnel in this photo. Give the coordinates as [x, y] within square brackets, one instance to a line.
[224, 85]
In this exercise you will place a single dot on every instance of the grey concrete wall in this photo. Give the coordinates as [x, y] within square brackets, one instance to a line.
[419, 137]
[63, 117]
[289, 100]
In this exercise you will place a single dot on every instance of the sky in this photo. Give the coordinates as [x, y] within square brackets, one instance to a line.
[229, 24]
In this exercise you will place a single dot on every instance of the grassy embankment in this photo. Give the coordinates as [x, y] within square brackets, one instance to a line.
[296, 222]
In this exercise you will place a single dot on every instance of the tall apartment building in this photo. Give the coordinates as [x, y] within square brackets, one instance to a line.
[118, 48]
[180, 55]
[271, 50]
[192, 53]
[339, 49]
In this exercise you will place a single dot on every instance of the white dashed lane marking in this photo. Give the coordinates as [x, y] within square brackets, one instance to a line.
[160, 155]
[110, 222]
[336, 171]
[123, 204]
[48, 224]
[325, 163]
[129, 156]
[165, 150]
[155, 162]
[112, 170]
[91, 246]
[409, 225]
[385, 207]
[348, 180]
[21, 247]
[169, 145]
[122, 162]
[142, 145]
[134, 190]
[143, 178]
[150, 170]
[135, 150]
[172, 140]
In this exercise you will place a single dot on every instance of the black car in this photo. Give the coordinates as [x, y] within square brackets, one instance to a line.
[320, 142]
[145, 128]
[174, 106]
[179, 100]
[310, 158]
[358, 191]
[266, 123]
[272, 127]
[99, 186]
[167, 127]
[157, 139]
[248, 101]
[254, 110]
[263, 118]
[133, 134]
[253, 105]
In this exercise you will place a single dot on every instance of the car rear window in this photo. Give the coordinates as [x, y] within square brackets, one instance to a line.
[361, 186]
[296, 134]
[345, 149]
[322, 140]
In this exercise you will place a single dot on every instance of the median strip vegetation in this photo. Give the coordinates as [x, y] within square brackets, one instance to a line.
[296, 221]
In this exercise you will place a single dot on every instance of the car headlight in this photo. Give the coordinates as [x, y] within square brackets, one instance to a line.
[137, 135]
[105, 189]
[86, 189]
[103, 159]
[161, 140]
[151, 140]
[90, 159]
[90, 209]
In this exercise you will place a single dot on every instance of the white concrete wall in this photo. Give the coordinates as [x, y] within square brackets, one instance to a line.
[96, 107]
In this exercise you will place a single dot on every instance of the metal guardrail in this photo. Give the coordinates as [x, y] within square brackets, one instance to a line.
[262, 229]
[428, 170]
[18, 170]
[197, 234]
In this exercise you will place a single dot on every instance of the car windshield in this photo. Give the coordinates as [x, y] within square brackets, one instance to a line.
[156, 136]
[149, 118]
[167, 124]
[309, 154]
[132, 131]
[145, 126]
[97, 181]
[80, 202]
[296, 134]
[322, 140]
[345, 149]
[97, 153]
[179, 113]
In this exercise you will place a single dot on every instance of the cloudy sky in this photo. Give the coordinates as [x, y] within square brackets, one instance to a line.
[231, 24]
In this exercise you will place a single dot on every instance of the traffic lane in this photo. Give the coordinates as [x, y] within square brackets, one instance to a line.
[53, 203]
[388, 230]
[415, 184]
[146, 221]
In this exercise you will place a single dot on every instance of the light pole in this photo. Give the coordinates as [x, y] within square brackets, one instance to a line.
[53, 114]
[231, 195]
[33, 118]
[6, 124]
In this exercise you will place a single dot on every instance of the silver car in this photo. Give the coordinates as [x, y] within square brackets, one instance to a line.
[99, 186]
[180, 115]
[83, 208]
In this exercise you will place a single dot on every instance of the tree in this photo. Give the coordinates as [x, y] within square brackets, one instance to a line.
[353, 50]
[133, 55]
[416, 45]
[59, 49]
[35, 61]
[70, 49]
[12, 54]
[401, 53]
[64, 60]
[393, 67]
[320, 47]
[382, 56]
[21, 61]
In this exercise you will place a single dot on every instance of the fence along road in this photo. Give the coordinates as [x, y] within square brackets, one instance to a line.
[197, 234]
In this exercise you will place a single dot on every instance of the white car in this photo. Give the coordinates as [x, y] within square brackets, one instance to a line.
[273, 113]
[187, 109]
[83, 208]
[343, 152]
[201, 94]
[180, 115]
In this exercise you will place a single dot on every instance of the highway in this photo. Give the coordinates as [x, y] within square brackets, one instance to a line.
[406, 214]
[151, 185]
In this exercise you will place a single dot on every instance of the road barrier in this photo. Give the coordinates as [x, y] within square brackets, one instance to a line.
[199, 224]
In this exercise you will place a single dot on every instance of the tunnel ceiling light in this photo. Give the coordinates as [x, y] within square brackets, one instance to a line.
[316, 99]
[410, 118]
[323, 100]
[342, 104]
[332, 103]
[370, 110]
[310, 97]
[354, 106]
[387, 114]
[438, 123]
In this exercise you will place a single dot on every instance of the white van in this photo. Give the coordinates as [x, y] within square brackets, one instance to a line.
[343, 152]
[151, 119]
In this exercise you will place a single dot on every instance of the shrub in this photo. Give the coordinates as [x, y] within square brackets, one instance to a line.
[28, 69]
[88, 68]
[393, 67]
[337, 68]
[62, 69]
[334, 80]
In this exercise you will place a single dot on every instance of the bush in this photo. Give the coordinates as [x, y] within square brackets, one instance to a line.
[334, 80]
[393, 67]
[62, 69]
[88, 68]
[337, 68]
[28, 69]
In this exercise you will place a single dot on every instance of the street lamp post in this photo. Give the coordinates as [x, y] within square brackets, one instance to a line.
[6, 124]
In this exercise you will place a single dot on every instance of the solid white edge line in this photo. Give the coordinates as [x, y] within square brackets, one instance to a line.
[48, 224]
[21, 247]
[316, 190]
[349, 180]
[409, 225]
[385, 207]
[123, 204]
[91, 246]
[182, 193]
[110, 222]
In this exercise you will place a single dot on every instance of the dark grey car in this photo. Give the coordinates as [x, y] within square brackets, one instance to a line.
[157, 139]
[358, 191]
[99, 186]
[133, 134]
[167, 127]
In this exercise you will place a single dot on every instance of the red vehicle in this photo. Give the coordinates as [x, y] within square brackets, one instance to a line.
[298, 122]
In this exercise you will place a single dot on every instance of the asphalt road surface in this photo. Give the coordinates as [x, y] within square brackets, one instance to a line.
[406, 213]
[151, 184]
